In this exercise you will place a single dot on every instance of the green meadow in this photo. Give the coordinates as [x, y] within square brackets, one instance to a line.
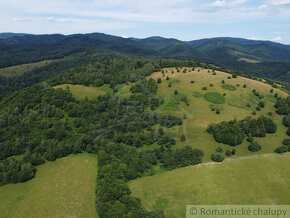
[260, 179]
[62, 188]
[230, 99]
[21, 69]
[80, 92]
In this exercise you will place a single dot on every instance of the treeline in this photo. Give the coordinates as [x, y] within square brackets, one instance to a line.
[29, 78]
[234, 132]
[118, 164]
[117, 71]
[13, 171]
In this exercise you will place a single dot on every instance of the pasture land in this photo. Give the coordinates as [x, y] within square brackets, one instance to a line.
[62, 188]
[260, 179]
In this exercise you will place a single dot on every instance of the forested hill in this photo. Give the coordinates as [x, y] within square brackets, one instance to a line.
[259, 58]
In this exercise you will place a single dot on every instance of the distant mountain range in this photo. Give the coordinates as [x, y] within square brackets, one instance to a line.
[261, 58]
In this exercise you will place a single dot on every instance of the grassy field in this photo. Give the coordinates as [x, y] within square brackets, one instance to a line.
[249, 60]
[259, 179]
[63, 188]
[81, 92]
[231, 100]
[21, 69]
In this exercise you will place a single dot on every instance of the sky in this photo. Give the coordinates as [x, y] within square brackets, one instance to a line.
[181, 19]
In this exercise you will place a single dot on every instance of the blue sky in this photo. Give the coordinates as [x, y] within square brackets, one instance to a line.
[182, 19]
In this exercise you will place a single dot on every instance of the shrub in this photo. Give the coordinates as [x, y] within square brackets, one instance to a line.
[288, 131]
[217, 157]
[223, 81]
[282, 149]
[159, 80]
[271, 90]
[219, 149]
[244, 86]
[286, 120]
[169, 85]
[183, 138]
[204, 88]
[175, 92]
[167, 78]
[248, 105]
[211, 85]
[233, 151]
[254, 112]
[254, 147]
[235, 75]
[262, 104]
[286, 142]
[192, 81]
[228, 153]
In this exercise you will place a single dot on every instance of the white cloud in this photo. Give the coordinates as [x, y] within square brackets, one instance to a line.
[280, 2]
[278, 39]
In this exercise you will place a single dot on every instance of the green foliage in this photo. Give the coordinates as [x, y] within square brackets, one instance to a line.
[227, 133]
[233, 132]
[214, 97]
[254, 147]
[217, 157]
[219, 149]
[286, 120]
[13, 171]
[286, 142]
[186, 156]
[182, 138]
[233, 152]
[282, 149]
[229, 87]
[282, 106]
[228, 153]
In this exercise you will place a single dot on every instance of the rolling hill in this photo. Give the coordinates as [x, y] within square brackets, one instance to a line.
[258, 58]
[144, 121]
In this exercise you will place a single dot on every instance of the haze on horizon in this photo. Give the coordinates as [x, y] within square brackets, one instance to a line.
[181, 19]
